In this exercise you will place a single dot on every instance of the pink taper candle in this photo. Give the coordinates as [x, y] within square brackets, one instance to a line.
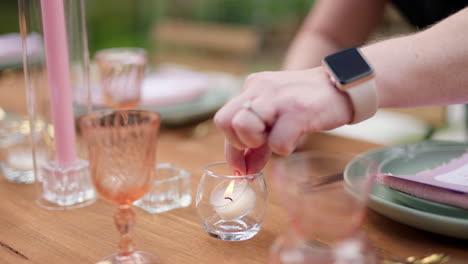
[58, 68]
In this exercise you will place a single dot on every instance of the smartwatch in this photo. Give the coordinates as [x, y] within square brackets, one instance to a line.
[349, 72]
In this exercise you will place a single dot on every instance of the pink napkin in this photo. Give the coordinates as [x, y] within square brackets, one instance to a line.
[425, 191]
[447, 184]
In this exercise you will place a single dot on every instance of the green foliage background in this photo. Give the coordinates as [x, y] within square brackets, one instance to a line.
[113, 23]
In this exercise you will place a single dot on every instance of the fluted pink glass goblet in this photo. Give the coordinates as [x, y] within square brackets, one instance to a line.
[122, 153]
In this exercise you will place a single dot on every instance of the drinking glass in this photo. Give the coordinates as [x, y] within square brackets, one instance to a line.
[122, 154]
[16, 145]
[325, 213]
[121, 72]
[231, 207]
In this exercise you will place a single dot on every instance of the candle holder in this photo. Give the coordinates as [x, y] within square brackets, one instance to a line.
[16, 159]
[53, 74]
[325, 214]
[169, 191]
[231, 207]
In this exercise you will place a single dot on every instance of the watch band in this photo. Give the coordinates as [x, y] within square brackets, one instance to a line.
[350, 72]
[364, 99]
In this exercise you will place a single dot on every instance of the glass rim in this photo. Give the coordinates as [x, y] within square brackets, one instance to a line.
[181, 173]
[348, 159]
[247, 176]
[86, 119]
[408, 153]
[139, 55]
[319, 154]
[136, 50]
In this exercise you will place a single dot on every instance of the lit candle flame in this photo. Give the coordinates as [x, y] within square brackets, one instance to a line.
[229, 190]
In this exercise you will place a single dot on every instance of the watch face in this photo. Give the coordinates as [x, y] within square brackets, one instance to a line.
[348, 66]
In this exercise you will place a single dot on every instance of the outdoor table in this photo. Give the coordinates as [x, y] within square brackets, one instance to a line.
[30, 234]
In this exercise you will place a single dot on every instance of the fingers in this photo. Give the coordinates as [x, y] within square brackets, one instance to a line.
[246, 162]
[256, 159]
[283, 107]
[250, 123]
[235, 158]
[249, 129]
[286, 134]
[223, 120]
[245, 121]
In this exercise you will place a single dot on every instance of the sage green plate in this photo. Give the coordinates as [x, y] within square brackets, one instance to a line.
[224, 88]
[407, 209]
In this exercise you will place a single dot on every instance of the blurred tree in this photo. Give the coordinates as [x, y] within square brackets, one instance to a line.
[9, 16]
[126, 23]
[114, 23]
[119, 23]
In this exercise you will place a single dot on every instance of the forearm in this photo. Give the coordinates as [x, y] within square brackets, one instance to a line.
[308, 50]
[428, 68]
[331, 26]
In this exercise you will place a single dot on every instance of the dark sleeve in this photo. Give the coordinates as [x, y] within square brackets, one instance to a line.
[423, 13]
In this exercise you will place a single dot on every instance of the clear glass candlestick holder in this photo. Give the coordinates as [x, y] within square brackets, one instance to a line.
[56, 68]
[325, 214]
[231, 207]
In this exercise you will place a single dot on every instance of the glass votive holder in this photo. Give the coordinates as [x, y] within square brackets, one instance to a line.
[231, 207]
[170, 190]
[16, 157]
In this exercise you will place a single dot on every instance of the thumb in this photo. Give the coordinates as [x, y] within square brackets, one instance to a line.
[235, 158]
[256, 159]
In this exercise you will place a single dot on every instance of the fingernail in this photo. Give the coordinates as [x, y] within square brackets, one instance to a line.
[289, 150]
[238, 147]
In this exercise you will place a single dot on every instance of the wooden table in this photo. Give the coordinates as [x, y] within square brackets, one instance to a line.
[29, 234]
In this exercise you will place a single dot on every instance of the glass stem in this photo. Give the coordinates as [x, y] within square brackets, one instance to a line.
[125, 221]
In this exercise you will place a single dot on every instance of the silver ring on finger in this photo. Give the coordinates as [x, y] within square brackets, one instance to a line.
[248, 106]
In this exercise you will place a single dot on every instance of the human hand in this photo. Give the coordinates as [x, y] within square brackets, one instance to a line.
[274, 110]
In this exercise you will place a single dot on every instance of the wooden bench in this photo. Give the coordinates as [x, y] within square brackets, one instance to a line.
[206, 46]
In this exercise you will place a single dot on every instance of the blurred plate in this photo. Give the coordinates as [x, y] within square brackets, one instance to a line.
[11, 50]
[185, 108]
[5, 66]
[223, 87]
[427, 205]
[407, 209]
[414, 160]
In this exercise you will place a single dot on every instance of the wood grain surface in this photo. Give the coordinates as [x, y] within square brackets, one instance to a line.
[29, 234]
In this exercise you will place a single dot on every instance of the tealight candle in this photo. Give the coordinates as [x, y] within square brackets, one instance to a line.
[233, 199]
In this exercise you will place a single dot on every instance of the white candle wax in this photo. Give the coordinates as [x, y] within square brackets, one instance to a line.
[23, 160]
[235, 203]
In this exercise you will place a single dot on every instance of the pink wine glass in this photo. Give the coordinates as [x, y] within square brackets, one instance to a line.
[121, 72]
[325, 209]
[122, 155]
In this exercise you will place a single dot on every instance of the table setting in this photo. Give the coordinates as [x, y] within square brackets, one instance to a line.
[110, 135]
[420, 212]
[180, 94]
